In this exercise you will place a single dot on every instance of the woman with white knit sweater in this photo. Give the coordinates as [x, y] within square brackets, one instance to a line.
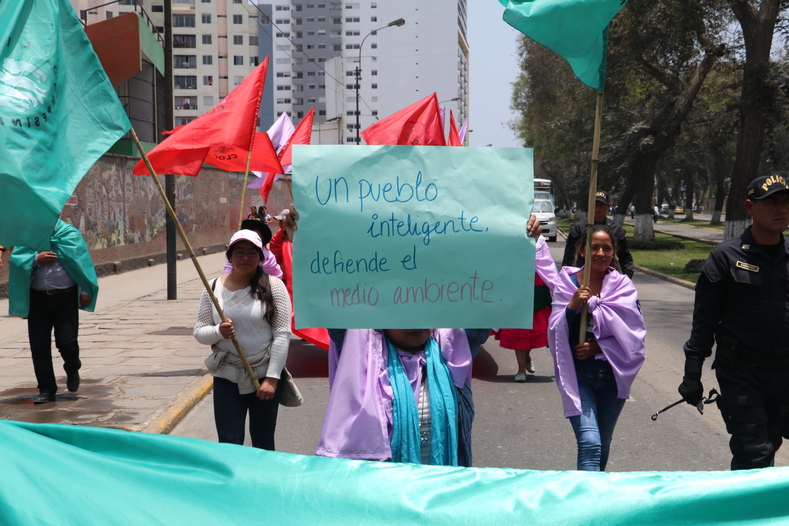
[257, 309]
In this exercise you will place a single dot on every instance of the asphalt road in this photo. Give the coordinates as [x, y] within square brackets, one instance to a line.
[521, 425]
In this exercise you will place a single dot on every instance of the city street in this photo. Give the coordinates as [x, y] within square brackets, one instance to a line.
[521, 425]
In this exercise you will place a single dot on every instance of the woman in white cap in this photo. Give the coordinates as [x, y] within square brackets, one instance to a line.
[257, 309]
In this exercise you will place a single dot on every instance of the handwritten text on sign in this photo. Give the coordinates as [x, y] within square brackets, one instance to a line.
[412, 236]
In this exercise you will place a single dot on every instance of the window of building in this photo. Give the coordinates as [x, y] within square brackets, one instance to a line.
[238, 60]
[238, 40]
[373, 19]
[349, 73]
[351, 46]
[297, 7]
[321, 19]
[208, 60]
[283, 47]
[236, 1]
[238, 79]
[185, 103]
[350, 86]
[336, 20]
[184, 41]
[208, 80]
[321, 32]
[374, 86]
[310, 6]
[283, 61]
[254, 61]
[352, 6]
[160, 30]
[283, 101]
[184, 61]
[108, 14]
[310, 74]
[157, 8]
[280, 21]
[335, 33]
[310, 32]
[283, 87]
[337, 47]
[374, 73]
[373, 99]
[205, 18]
[180, 121]
[206, 39]
[349, 19]
[300, 114]
[321, 46]
[185, 82]
[206, 1]
[283, 74]
[283, 8]
[373, 5]
[375, 113]
[253, 40]
[310, 86]
[208, 101]
[321, 6]
[238, 19]
[373, 46]
[354, 33]
[310, 19]
[183, 21]
[310, 46]
[281, 35]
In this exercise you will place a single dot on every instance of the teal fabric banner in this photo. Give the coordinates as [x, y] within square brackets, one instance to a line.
[575, 29]
[401, 237]
[58, 115]
[57, 474]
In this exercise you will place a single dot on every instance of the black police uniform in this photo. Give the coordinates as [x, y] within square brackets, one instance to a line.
[742, 301]
[622, 254]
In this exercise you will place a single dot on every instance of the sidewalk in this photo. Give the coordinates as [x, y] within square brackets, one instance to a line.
[705, 235]
[141, 367]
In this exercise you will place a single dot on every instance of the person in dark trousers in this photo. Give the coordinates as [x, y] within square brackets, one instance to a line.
[602, 204]
[742, 303]
[48, 288]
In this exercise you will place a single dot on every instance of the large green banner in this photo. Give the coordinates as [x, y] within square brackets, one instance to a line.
[109, 477]
[403, 237]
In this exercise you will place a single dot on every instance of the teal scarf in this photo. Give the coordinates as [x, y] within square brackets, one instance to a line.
[443, 410]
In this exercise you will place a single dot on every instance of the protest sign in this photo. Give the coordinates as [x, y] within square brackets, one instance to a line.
[412, 237]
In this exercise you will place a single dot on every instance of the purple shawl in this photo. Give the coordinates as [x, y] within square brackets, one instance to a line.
[358, 421]
[544, 264]
[617, 324]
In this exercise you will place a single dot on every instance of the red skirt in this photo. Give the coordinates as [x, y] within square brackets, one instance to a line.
[525, 339]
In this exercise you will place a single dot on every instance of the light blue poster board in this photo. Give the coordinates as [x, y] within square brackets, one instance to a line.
[399, 237]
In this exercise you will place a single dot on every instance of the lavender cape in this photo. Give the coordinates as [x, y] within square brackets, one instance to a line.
[544, 264]
[617, 324]
[358, 421]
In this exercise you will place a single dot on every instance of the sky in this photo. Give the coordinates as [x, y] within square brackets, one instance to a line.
[494, 67]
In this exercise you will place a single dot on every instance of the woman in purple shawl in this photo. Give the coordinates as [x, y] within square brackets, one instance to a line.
[594, 376]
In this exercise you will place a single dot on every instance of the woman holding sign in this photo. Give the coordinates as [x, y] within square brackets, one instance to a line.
[594, 376]
[401, 395]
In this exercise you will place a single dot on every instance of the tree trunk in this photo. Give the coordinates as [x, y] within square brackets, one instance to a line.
[758, 27]
[720, 192]
[642, 228]
[690, 190]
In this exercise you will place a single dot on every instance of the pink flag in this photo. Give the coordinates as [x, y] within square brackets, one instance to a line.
[464, 129]
[281, 131]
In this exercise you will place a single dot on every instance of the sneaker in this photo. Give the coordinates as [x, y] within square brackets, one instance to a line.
[520, 377]
[530, 367]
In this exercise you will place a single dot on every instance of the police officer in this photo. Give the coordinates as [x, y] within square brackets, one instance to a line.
[742, 301]
[602, 204]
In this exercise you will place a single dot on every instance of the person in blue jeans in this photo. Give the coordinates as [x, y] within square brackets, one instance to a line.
[594, 376]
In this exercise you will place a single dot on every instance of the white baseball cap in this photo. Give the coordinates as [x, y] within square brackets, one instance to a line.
[246, 235]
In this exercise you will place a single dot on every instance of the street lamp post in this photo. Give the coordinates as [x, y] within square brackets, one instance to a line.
[399, 22]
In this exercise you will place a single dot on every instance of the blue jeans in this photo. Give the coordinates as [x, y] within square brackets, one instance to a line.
[600, 409]
[230, 414]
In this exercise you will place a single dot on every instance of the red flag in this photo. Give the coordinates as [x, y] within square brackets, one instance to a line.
[301, 135]
[417, 124]
[230, 158]
[226, 133]
[454, 137]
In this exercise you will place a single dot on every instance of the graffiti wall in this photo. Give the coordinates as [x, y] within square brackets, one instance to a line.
[122, 216]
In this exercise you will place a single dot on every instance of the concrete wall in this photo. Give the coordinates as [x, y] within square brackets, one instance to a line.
[122, 216]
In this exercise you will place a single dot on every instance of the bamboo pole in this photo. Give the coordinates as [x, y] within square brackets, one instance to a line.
[244, 190]
[598, 117]
[181, 233]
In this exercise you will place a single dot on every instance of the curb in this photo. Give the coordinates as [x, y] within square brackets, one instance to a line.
[165, 422]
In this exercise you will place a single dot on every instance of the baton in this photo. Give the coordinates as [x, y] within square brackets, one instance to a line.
[712, 397]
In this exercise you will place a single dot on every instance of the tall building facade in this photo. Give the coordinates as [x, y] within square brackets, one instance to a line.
[315, 48]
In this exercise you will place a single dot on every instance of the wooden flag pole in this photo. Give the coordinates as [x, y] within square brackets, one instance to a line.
[244, 190]
[598, 117]
[185, 241]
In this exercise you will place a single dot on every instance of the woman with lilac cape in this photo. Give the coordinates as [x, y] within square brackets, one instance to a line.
[594, 377]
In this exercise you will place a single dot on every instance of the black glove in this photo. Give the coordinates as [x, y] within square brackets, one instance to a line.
[691, 389]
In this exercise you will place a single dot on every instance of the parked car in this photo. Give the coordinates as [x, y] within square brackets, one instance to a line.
[543, 210]
[679, 210]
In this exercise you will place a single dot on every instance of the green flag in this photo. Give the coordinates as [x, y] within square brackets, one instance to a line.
[65, 474]
[575, 29]
[58, 115]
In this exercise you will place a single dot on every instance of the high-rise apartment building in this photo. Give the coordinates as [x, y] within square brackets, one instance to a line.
[315, 48]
